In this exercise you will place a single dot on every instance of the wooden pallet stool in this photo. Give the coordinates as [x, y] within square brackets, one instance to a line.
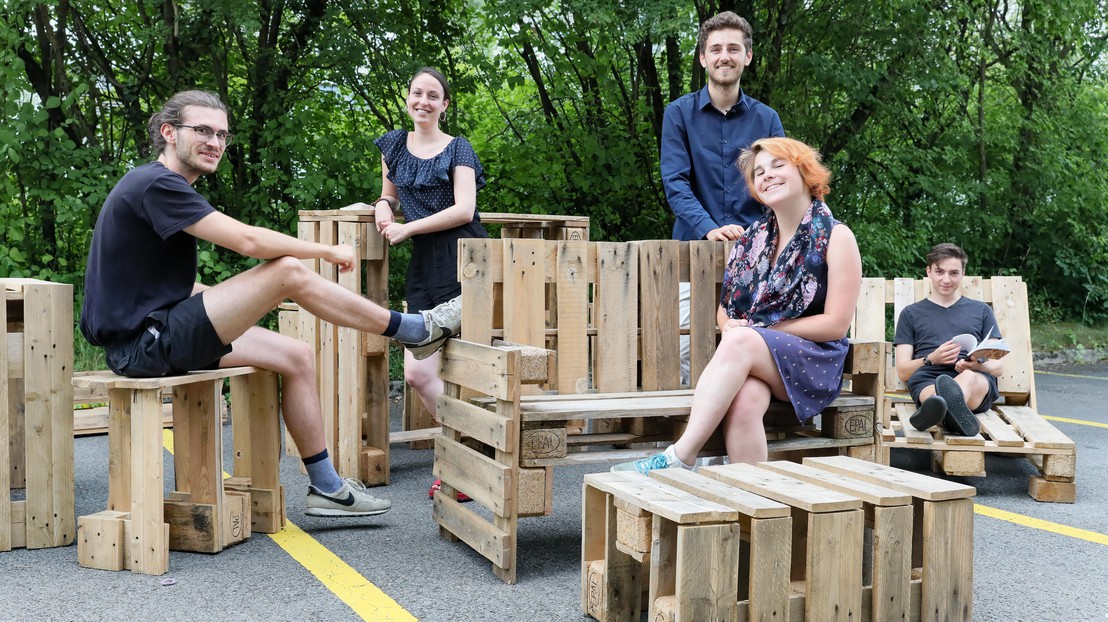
[826, 541]
[695, 556]
[36, 414]
[204, 513]
[942, 532]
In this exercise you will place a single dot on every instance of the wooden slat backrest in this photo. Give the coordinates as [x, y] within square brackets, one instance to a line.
[1007, 295]
[588, 302]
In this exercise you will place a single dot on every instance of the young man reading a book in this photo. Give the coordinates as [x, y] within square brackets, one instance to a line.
[948, 386]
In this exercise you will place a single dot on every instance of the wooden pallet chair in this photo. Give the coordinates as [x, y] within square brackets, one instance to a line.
[1013, 426]
[604, 316]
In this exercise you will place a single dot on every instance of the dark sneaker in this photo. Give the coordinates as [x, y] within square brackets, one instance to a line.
[959, 418]
[351, 500]
[442, 322]
[665, 460]
[930, 413]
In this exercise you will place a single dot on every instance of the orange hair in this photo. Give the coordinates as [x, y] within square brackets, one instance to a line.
[807, 160]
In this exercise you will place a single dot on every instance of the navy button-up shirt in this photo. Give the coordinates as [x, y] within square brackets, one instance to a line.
[700, 147]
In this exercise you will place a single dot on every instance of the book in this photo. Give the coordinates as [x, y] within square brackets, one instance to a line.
[989, 347]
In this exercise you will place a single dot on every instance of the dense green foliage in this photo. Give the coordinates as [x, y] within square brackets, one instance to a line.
[982, 122]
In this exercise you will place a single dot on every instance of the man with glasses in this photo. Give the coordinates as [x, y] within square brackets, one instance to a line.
[144, 306]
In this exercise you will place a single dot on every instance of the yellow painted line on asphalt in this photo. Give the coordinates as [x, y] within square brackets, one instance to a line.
[366, 599]
[1055, 373]
[1037, 523]
[1095, 424]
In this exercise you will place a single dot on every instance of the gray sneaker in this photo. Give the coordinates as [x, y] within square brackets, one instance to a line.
[442, 322]
[351, 500]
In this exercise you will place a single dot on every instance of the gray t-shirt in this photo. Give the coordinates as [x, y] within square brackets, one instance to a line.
[926, 326]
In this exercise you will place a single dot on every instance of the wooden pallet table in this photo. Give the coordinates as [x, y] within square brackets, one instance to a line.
[834, 539]
[36, 414]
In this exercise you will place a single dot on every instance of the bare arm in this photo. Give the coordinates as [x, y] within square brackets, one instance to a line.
[262, 243]
[465, 197]
[384, 216]
[844, 281]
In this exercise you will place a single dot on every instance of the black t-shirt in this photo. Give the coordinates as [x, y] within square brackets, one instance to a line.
[140, 260]
[926, 326]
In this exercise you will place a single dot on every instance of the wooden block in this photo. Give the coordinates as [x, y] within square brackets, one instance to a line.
[1042, 489]
[374, 466]
[193, 526]
[536, 491]
[634, 532]
[960, 463]
[946, 532]
[236, 524]
[595, 601]
[665, 609]
[847, 423]
[1057, 467]
[542, 442]
[100, 540]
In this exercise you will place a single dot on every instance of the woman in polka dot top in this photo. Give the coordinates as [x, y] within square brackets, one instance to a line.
[433, 178]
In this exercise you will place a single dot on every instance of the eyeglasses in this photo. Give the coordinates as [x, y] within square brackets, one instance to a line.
[205, 133]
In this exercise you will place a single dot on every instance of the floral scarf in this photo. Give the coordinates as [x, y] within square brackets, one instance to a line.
[764, 295]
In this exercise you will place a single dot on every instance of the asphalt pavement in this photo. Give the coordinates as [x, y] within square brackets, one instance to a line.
[1032, 561]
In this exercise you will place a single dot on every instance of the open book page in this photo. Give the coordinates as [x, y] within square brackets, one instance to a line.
[989, 348]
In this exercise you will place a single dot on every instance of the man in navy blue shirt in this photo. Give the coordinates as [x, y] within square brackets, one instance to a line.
[702, 135]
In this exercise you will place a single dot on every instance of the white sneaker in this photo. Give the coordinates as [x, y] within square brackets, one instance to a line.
[351, 500]
[442, 322]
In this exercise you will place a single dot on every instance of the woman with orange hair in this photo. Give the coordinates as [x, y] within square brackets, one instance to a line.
[788, 296]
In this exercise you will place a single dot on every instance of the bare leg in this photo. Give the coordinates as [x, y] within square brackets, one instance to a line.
[741, 353]
[744, 434]
[974, 386]
[423, 376]
[238, 303]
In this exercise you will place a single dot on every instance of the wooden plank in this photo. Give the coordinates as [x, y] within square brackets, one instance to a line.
[484, 425]
[482, 536]
[999, 430]
[833, 585]
[1038, 431]
[352, 380]
[903, 412]
[198, 443]
[782, 488]
[867, 492]
[869, 313]
[988, 447]
[770, 554]
[572, 292]
[746, 503]
[915, 484]
[485, 480]
[658, 313]
[476, 258]
[948, 560]
[704, 278]
[7, 414]
[658, 498]
[707, 564]
[1012, 316]
[525, 292]
[616, 316]
[14, 355]
[109, 380]
[150, 550]
[48, 413]
[891, 597]
[491, 371]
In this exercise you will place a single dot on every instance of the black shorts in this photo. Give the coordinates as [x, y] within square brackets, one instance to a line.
[433, 269]
[927, 375]
[173, 341]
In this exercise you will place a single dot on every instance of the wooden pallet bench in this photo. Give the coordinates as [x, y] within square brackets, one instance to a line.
[597, 323]
[36, 414]
[205, 512]
[833, 539]
[1013, 426]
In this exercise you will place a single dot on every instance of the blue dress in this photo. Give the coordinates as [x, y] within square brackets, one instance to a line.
[426, 187]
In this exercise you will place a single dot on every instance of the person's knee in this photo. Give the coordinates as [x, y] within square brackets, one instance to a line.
[419, 376]
[737, 341]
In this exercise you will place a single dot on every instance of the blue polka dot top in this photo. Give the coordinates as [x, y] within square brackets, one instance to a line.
[426, 186]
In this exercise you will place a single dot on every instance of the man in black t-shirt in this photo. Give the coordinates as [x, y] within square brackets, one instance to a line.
[947, 386]
[144, 306]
